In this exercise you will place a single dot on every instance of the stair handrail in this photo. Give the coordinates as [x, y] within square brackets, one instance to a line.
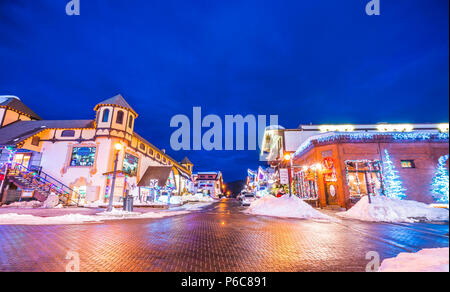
[61, 185]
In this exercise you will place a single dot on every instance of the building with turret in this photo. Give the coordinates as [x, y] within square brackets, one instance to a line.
[75, 158]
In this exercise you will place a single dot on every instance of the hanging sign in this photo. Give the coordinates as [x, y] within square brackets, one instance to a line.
[284, 176]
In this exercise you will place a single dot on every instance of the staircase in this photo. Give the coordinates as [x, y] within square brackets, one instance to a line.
[41, 183]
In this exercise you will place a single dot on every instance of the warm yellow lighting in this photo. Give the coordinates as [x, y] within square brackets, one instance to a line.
[395, 128]
[287, 157]
[340, 128]
[443, 128]
[118, 146]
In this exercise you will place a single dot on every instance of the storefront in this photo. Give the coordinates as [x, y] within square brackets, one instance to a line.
[341, 169]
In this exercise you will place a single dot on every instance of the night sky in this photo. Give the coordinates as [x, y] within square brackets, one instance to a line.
[321, 61]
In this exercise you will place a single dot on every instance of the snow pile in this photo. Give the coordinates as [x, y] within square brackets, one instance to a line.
[17, 219]
[289, 207]
[383, 209]
[426, 260]
[174, 200]
[51, 202]
[24, 205]
[199, 197]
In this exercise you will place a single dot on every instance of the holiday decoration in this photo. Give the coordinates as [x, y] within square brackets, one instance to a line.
[393, 187]
[440, 181]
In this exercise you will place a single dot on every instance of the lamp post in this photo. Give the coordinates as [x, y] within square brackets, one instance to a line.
[287, 157]
[118, 147]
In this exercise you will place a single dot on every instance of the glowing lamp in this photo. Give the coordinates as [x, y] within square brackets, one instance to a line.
[287, 157]
[118, 146]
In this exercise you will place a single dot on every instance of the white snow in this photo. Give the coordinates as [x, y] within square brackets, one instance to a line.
[174, 200]
[51, 202]
[24, 205]
[17, 219]
[287, 207]
[426, 260]
[383, 209]
[199, 197]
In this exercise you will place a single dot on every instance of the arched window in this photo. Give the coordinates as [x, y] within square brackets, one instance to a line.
[130, 122]
[105, 116]
[119, 119]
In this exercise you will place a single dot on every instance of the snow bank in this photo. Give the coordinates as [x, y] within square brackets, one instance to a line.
[385, 209]
[174, 200]
[24, 205]
[16, 219]
[199, 197]
[288, 207]
[51, 202]
[426, 260]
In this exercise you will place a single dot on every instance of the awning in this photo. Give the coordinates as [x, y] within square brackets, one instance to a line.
[159, 173]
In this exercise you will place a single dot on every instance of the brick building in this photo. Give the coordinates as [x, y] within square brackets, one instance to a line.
[336, 167]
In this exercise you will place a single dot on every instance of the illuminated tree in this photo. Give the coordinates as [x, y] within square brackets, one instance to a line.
[393, 187]
[439, 187]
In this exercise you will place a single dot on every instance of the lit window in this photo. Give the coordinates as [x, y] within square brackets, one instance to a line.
[105, 116]
[130, 164]
[83, 156]
[408, 164]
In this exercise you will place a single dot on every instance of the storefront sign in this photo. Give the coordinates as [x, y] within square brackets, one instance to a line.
[27, 194]
[284, 176]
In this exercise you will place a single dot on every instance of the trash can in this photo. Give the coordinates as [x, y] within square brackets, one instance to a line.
[130, 203]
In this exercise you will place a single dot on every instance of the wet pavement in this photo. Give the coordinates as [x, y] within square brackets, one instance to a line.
[218, 238]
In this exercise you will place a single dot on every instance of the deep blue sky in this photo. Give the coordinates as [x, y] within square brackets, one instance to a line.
[321, 61]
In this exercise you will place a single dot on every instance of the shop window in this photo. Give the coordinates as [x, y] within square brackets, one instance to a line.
[119, 119]
[83, 156]
[408, 164]
[363, 178]
[35, 141]
[305, 184]
[68, 133]
[130, 164]
[105, 118]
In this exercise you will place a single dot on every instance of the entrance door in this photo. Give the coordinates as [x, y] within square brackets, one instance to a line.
[331, 193]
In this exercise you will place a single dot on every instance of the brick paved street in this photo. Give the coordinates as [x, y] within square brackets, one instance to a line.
[217, 238]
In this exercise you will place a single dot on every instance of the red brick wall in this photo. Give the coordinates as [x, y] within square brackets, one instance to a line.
[417, 180]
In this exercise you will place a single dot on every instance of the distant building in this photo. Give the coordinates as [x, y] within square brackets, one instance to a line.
[75, 158]
[208, 183]
[335, 165]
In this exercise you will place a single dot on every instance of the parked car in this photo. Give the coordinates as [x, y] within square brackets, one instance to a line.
[248, 199]
[241, 195]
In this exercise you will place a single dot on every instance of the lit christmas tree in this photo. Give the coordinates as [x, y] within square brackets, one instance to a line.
[440, 181]
[393, 187]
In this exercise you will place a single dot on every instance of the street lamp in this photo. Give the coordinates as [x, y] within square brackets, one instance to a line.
[118, 147]
[288, 158]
